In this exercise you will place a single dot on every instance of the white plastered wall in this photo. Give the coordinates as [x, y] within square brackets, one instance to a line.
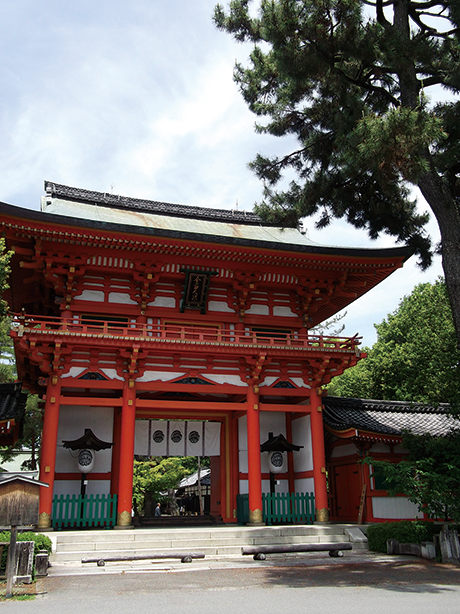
[387, 508]
[303, 459]
[275, 422]
[72, 423]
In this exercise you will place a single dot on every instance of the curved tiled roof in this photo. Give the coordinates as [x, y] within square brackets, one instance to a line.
[57, 190]
[387, 417]
[12, 402]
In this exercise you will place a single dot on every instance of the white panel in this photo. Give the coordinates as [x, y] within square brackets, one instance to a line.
[281, 486]
[301, 436]
[121, 297]
[262, 310]
[72, 487]
[74, 372]
[162, 376]
[111, 373]
[212, 430]
[234, 380]
[298, 381]
[98, 487]
[66, 487]
[141, 438]
[243, 461]
[304, 485]
[91, 295]
[265, 486]
[272, 422]
[176, 430]
[244, 487]
[394, 508]
[345, 450]
[72, 424]
[283, 311]
[163, 301]
[219, 306]
[268, 381]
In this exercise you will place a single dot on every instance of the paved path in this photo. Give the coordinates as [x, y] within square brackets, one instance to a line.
[357, 583]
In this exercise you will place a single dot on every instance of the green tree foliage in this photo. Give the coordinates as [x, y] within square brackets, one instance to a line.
[7, 360]
[415, 357]
[5, 270]
[429, 477]
[31, 436]
[157, 476]
[349, 80]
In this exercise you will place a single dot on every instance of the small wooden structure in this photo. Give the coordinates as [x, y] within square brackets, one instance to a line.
[19, 504]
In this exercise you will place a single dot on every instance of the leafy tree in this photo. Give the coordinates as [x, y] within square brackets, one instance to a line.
[31, 436]
[7, 359]
[33, 420]
[429, 477]
[5, 270]
[349, 80]
[415, 357]
[154, 477]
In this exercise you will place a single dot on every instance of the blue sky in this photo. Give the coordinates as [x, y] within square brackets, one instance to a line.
[139, 99]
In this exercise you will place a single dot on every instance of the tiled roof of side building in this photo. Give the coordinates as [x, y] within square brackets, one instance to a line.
[387, 417]
[56, 190]
[12, 401]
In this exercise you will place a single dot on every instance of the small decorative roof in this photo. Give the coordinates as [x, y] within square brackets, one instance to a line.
[386, 417]
[88, 441]
[278, 444]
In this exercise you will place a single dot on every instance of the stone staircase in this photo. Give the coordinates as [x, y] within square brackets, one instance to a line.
[214, 542]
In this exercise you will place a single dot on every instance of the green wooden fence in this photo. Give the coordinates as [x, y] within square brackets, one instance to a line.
[280, 508]
[77, 511]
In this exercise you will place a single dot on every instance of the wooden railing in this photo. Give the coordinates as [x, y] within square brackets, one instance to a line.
[280, 508]
[78, 511]
[175, 333]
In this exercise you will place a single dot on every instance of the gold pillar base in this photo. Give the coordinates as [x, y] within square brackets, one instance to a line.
[322, 515]
[256, 517]
[44, 522]
[124, 521]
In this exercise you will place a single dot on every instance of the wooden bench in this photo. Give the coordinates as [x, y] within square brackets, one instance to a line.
[185, 557]
[259, 552]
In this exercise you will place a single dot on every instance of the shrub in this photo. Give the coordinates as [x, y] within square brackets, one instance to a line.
[405, 531]
[42, 542]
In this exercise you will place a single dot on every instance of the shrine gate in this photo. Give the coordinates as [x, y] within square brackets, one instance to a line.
[129, 312]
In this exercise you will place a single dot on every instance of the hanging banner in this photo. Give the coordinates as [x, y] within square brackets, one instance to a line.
[177, 438]
[141, 438]
[176, 441]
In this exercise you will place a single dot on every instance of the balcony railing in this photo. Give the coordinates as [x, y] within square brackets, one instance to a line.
[32, 325]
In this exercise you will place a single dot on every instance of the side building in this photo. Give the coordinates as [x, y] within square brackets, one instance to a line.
[172, 329]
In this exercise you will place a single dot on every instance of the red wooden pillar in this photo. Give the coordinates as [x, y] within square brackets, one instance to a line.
[115, 468]
[125, 481]
[48, 451]
[319, 457]
[254, 470]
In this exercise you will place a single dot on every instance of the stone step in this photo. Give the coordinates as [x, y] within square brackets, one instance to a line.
[217, 533]
[72, 546]
[195, 543]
